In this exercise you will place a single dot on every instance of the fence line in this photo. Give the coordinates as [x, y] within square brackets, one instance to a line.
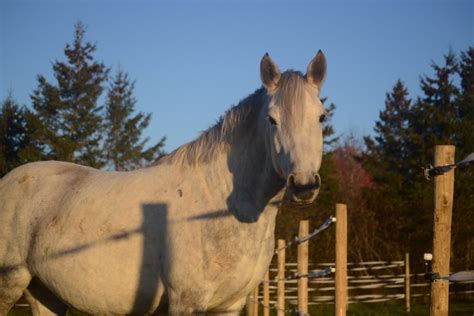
[319, 289]
[438, 272]
[302, 276]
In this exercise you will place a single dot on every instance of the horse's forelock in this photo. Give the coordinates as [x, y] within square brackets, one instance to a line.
[290, 90]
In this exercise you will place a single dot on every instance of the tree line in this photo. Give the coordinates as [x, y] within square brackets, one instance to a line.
[379, 177]
[66, 120]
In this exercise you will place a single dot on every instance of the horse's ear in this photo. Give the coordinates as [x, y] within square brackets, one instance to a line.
[316, 72]
[269, 73]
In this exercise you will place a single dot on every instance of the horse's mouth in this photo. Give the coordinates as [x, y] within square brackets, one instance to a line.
[300, 200]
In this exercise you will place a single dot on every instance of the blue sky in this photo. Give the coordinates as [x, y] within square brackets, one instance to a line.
[192, 60]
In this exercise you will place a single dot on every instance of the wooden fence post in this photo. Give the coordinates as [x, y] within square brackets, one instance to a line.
[281, 278]
[407, 283]
[248, 305]
[341, 260]
[266, 294]
[443, 208]
[303, 250]
[255, 301]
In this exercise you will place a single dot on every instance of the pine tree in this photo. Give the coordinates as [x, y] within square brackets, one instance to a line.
[390, 129]
[385, 159]
[124, 146]
[434, 116]
[328, 129]
[403, 144]
[463, 210]
[465, 101]
[68, 114]
[386, 152]
[16, 144]
[432, 122]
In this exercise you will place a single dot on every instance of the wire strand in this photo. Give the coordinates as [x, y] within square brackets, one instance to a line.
[298, 240]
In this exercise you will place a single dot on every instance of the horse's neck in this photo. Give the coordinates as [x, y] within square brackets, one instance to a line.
[255, 183]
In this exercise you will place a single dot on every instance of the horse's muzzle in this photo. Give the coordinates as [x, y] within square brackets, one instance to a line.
[303, 188]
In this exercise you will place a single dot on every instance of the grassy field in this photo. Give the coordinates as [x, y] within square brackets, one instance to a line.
[461, 308]
[458, 308]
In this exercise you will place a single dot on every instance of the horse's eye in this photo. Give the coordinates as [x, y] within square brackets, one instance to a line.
[272, 120]
[322, 118]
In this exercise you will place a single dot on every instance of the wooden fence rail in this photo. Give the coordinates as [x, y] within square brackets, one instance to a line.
[388, 283]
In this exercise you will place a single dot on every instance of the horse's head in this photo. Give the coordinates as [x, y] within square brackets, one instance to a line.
[295, 118]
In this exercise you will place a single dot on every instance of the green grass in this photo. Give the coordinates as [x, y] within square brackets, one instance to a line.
[457, 308]
[25, 311]
[460, 308]
[20, 311]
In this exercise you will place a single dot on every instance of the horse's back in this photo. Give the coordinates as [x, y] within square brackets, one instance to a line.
[32, 177]
[25, 193]
[31, 187]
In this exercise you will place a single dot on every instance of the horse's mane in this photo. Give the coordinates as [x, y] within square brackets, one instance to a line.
[239, 118]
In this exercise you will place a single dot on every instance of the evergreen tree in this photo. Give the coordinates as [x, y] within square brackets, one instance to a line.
[463, 210]
[124, 146]
[432, 122]
[390, 129]
[68, 114]
[434, 116]
[16, 143]
[328, 129]
[385, 159]
[465, 139]
[404, 142]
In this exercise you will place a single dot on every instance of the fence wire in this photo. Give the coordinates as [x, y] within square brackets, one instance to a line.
[431, 171]
[455, 277]
[297, 240]
[310, 275]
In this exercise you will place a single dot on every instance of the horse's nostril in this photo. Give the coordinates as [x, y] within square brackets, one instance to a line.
[291, 180]
[301, 183]
[317, 181]
[303, 187]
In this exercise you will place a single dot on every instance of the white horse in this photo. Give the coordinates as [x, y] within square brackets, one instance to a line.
[192, 234]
